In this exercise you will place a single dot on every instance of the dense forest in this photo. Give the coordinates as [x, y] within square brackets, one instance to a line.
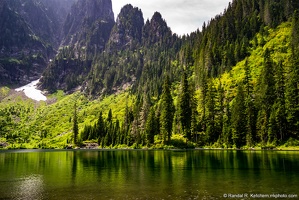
[232, 84]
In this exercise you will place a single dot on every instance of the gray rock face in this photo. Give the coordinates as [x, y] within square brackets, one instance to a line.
[156, 30]
[86, 32]
[127, 32]
[29, 35]
[89, 23]
[33, 30]
[59, 10]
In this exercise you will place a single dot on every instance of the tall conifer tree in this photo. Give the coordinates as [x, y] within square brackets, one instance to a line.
[266, 96]
[279, 109]
[151, 127]
[249, 106]
[101, 133]
[292, 84]
[167, 111]
[211, 131]
[239, 118]
[75, 125]
[185, 107]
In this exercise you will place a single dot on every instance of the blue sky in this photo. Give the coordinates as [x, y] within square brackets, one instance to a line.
[182, 16]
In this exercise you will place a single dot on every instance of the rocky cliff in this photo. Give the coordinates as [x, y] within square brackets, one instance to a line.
[88, 25]
[127, 32]
[29, 36]
[156, 31]
[86, 32]
[83, 48]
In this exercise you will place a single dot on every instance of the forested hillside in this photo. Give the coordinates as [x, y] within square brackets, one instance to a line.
[232, 84]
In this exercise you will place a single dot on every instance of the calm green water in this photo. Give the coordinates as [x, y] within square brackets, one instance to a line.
[146, 174]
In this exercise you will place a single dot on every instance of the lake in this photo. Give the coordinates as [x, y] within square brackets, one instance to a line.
[153, 174]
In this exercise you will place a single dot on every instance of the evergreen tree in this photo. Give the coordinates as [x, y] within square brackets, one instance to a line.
[126, 127]
[279, 107]
[211, 130]
[185, 107]
[204, 88]
[194, 118]
[292, 84]
[273, 126]
[239, 118]
[109, 117]
[295, 32]
[266, 96]
[143, 114]
[267, 83]
[249, 107]
[100, 128]
[85, 133]
[167, 112]
[247, 80]
[117, 133]
[75, 125]
[151, 127]
[226, 130]
[220, 109]
[135, 133]
[250, 114]
[109, 126]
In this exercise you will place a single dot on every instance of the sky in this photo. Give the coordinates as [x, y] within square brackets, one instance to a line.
[182, 16]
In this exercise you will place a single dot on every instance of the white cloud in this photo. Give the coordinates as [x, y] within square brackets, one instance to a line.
[182, 16]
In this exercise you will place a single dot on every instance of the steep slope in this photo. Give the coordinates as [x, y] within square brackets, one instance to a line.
[29, 124]
[233, 84]
[86, 32]
[51, 126]
[127, 32]
[23, 53]
[89, 24]
[30, 33]
[115, 62]
[137, 55]
[57, 10]
[160, 48]
[224, 40]
[111, 70]
[156, 31]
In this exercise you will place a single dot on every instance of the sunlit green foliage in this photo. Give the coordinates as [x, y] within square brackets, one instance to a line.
[233, 84]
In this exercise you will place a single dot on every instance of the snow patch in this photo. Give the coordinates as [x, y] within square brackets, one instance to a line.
[32, 92]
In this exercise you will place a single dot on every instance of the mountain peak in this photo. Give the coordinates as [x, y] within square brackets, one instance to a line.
[157, 16]
[158, 20]
[156, 29]
[128, 28]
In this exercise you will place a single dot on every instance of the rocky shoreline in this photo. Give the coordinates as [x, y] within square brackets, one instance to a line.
[3, 144]
[85, 146]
